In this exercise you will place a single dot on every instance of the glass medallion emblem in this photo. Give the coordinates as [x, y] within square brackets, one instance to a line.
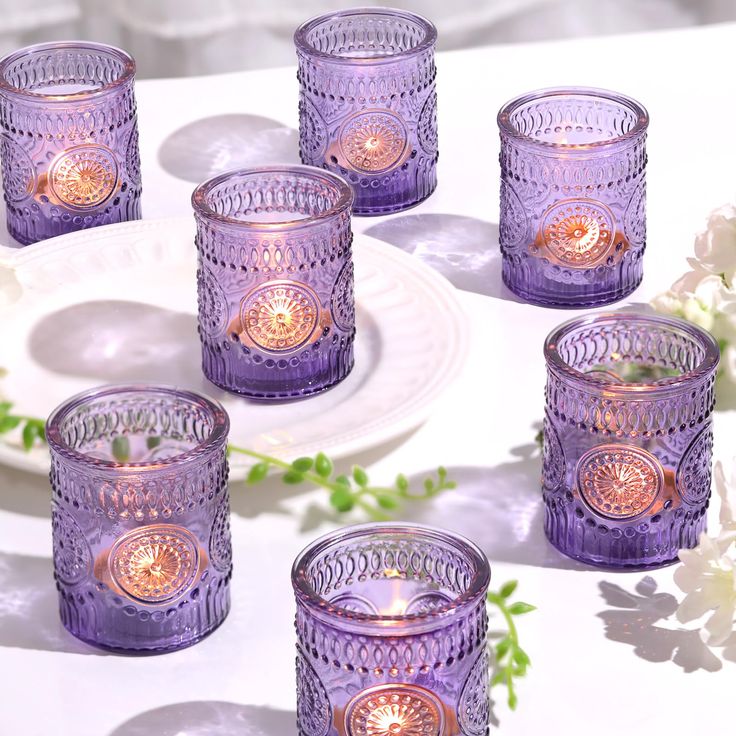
[84, 176]
[155, 563]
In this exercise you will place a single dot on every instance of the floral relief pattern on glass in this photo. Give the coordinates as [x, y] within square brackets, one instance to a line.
[155, 563]
[84, 176]
[280, 316]
[578, 233]
[373, 141]
[619, 481]
[395, 710]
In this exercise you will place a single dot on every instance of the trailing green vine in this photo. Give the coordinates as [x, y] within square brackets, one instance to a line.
[511, 660]
[31, 429]
[347, 492]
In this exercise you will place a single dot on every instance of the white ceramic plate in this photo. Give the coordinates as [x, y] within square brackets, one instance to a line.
[118, 304]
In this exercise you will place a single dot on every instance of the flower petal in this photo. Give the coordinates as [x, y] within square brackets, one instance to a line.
[719, 626]
[695, 605]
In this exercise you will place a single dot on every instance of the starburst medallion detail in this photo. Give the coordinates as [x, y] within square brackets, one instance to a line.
[280, 315]
[578, 232]
[155, 563]
[395, 711]
[619, 481]
[373, 141]
[84, 176]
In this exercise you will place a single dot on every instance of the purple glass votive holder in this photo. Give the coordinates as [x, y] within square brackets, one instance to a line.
[391, 633]
[275, 279]
[628, 438]
[573, 196]
[141, 517]
[68, 139]
[368, 104]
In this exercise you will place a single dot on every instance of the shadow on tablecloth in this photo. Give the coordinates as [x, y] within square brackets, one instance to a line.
[212, 145]
[463, 249]
[644, 619]
[500, 508]
[209, 718]
[29, 617]
[116, 341]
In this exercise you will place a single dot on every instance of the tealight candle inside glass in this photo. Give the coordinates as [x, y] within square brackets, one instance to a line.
[391, 625]
[573, 196]
[69, 139]
[368, 105]
[628, 437]
[275, 278]
[141, 516]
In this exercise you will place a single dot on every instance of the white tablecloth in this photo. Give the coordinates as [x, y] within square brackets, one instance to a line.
[607, 654]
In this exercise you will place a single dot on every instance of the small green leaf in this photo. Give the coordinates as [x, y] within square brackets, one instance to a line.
[29, 436]
[292, 478]
[518, 608]
[342, 499]
[120, 449]
[450, 485]
[343, 480]
[513, 700]
[498, 678]
[521, 657]
[386, 501]
[7, 423]
[302, 464]
[153, 442]
[402, 483]
[429, 485]
[257, 473]
[508, 588]
[323, 465]
[5, 407]
[502, 647]
[360, 476]
[442, 472]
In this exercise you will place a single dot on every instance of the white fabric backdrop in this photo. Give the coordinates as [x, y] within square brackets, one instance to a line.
[186, 37]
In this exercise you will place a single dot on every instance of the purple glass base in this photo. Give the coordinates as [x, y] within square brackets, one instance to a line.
[571, 290]
[122, 630]
[388, 205]
[235, 370]
[617, 549]
[29, 226]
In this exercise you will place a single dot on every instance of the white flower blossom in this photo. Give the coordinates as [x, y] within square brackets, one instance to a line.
[715, 248]
[708, 573]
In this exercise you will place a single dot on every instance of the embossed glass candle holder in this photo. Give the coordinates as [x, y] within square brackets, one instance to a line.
[391, 634]
[628, 437]
[69, 139]
[368, 105]
[573, 196]
[141, 516]
[276, 305]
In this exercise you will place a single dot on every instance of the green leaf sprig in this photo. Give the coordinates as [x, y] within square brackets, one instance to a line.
[511, 660]
[347, 492]
[31, 428]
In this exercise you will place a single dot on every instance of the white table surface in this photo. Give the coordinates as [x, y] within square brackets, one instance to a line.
[608, 656]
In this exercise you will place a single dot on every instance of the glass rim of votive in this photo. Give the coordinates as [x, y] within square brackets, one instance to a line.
[301, 35]
[707, 365]
[409, 623]
[508, 128]
[217, 436]
[344, 197]
[128, 72]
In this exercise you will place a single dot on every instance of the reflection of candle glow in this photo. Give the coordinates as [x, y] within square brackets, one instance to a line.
[397, 607]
